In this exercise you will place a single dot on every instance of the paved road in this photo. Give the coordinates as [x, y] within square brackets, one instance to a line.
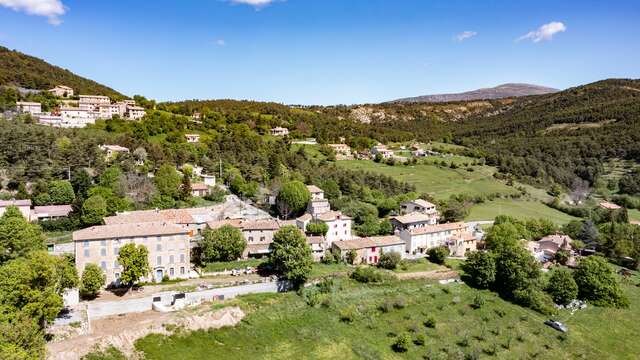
[98, 309]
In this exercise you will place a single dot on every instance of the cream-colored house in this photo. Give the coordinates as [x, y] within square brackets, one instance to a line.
[382, 150]
[168, 246]
[414, 220]
[342, 150]
[26, 107]
[92, 102]
[368, 250]
[257, 233]
[199, 190]
[420, 239]
[134, 112]
[111, 151]
[23, 205]
[339, 226]
[279, 131]
[192, 138]
[62, 91]
[418, 205]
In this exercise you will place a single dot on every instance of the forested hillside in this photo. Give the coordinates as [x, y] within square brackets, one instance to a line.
[560, 136]
[18, 69]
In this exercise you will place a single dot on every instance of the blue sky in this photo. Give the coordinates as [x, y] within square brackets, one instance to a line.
[326, 51]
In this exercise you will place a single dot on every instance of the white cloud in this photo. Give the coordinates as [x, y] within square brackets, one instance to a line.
[51, 9]
[254, 3]
[466, 35]
[544, 32]
[221, 42]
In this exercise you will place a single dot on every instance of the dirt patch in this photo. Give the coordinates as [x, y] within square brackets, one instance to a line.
[433, 274]
[123, 331]
[575, 126]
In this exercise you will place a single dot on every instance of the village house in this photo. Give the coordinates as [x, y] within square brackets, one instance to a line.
[318, 204]
[317, 245]
[418, 205]
[168, 246]
[111, 151]
[193, 220]
[551, 244]
[199, 190]
[108, 111]
[50, 212]
[192, 138]
[369, 249]
[257, 233]
[23, 205]
[382, 150]
[92, 102]
[339, 226]
[420, 239]
[462, 244]
[413, 220]
[61, 91]
[134, 112]
[209, 180]
[196, 116]
[79, 117]
[26, 107]
[609, 206]
[343, 151]
[279, 131]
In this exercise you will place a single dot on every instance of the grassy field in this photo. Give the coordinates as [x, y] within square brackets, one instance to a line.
[440, 182]
[417, 265]
[519, 209]
[356, 321]
[229, 265]
[634, 214]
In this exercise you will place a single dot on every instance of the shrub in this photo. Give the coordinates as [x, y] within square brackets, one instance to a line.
[92, 280]
[419, 340]
[399, 303]
[365, 274]
[317, 228]
[385, 307]
[597, 283]
[562, 287]
[348, 314]
[401, 344]
[535, 299]
[351, 256]
[478, 302]
[430, 322]
[479, 269]
[438, 255]
[389, 260]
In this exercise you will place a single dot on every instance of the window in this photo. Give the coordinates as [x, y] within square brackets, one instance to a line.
[171, 273]
[171, 259]
[116, 251]
[262, 238]
[373, 249]
[159, 260]
[117, 276]
[159, 238]
[103, 265]
[181, 258]
[158, 247]
[85, 243]
[250, 238]
[115, 264]
[103, 252]
[103, 242]
[86, 252]
[182, 270]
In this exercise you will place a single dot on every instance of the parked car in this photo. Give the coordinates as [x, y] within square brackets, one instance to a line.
[556, 325]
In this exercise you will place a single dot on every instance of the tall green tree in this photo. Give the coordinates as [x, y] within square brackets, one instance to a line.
[290, 255]
[480, 269]
[81, 182]
[597, 283]
[292, 198]
[167, 181]
[135, 263]
[223, 244]
[93, 279]
[94, 210]
[18, 237]
[61, 192]
[561, 286]
[185, 187]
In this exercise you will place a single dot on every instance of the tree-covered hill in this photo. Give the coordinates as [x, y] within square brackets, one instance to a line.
[18, 69]
[560, 136]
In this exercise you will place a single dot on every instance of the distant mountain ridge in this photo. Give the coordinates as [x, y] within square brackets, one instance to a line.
[25, 71]
[498, 92]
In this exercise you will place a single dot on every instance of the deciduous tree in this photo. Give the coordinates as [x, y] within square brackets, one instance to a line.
[290, 255]
[223, 244]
